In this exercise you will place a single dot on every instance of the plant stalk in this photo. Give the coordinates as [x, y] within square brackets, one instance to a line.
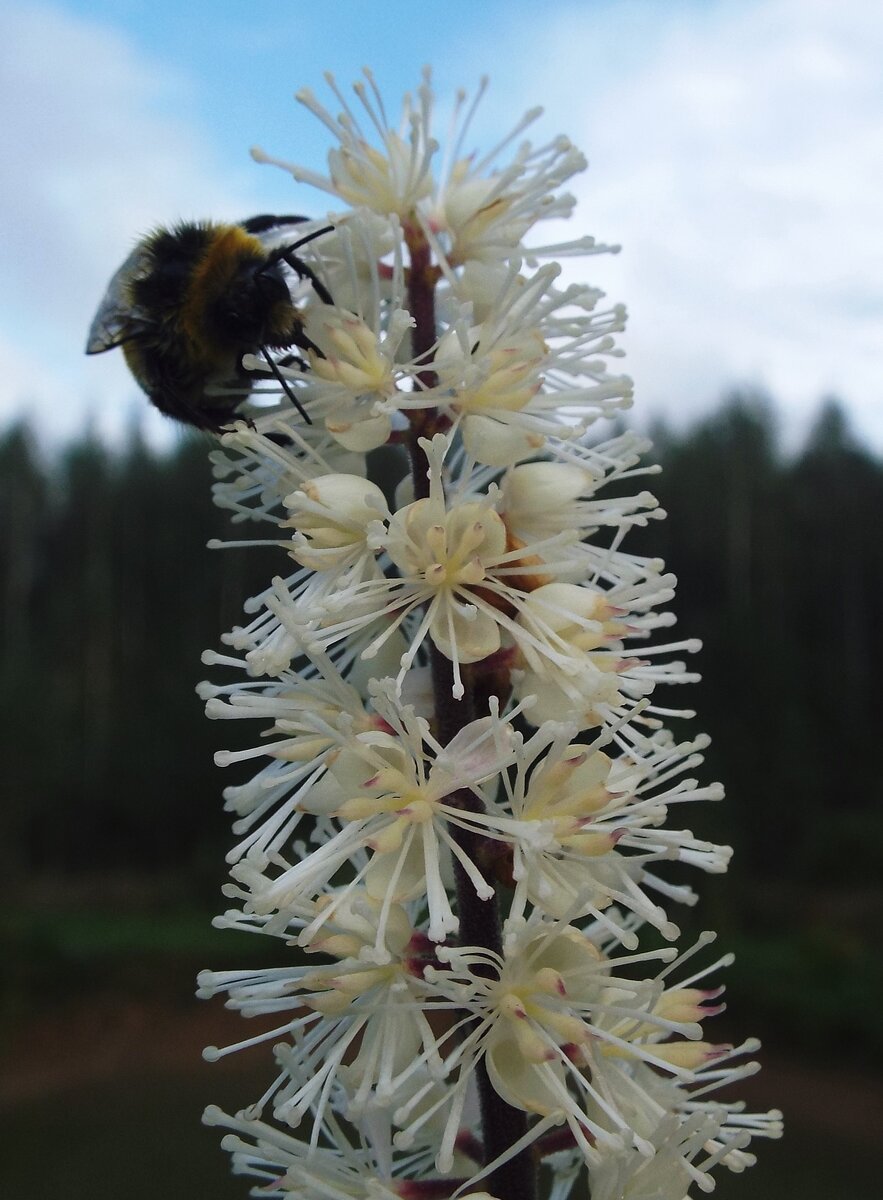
[480, 920]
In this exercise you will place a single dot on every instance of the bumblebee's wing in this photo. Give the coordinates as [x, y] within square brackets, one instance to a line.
[278, 232]
[116, 319]
[266, 223]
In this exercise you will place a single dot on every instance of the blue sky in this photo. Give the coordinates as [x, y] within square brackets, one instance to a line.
[735, 147]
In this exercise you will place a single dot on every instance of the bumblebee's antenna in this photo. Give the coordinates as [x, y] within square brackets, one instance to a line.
[271, 363]
[286, 254]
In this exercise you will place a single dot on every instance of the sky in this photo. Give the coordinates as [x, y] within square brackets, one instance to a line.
[735, 150]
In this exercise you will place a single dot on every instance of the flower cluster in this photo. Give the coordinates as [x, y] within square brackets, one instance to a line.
[459, 821]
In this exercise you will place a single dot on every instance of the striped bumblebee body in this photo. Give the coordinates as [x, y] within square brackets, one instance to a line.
[190, 301]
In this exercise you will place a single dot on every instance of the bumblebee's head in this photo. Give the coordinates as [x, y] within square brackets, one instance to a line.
[255, 307]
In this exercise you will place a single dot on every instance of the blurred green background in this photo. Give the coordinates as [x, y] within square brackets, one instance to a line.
[113, 832]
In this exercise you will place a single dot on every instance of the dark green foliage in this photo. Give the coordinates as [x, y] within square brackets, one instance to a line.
[780, 572]
[109, 596]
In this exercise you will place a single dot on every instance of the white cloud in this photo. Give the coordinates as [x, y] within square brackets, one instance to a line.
[736, 153]
[740, 164]
[95, 153]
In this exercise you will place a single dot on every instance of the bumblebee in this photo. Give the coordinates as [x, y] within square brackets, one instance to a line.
[190, 301]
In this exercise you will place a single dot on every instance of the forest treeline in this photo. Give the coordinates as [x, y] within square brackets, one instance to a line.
[109, 596]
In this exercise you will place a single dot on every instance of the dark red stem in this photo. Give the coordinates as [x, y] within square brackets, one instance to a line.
[480, 921]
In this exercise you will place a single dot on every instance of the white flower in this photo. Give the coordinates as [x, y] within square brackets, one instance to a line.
[687, 1131]
[444, 555]
[536, 1011]
[391, 179]
[590, 827]
[484, 214]
[564, 1035]
[533, 368]
[264, 461]
[359, 372]
[472, 208]
[476, 895]
[457, 581]
[542, 500]
[573, 657]
[338, 1167]
[391, 795]
[487, 381]
[333, 515]
[661, 1086]
[358, 364]
[358, 1023]
[306, 716]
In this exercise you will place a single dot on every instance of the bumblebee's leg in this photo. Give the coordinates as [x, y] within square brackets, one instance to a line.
[300, 267]
[300, 339]
[295, 360]
[271, 363]
[212, 419]
[286, 254]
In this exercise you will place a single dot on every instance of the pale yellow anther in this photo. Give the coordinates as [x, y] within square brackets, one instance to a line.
[532, 1046]
[567, 1028]
[331, 1003]
[591, 845]
[390, 838]
[419, 811]
[351, 376]
[686, 1054]
[340, 945]
[355, 983]
[389, 779]
[342, 340]
[471, 574]
[587, 639]
[471, 538]
[683, 1004]
[376, 158]
[512, 1006]
[550, 981]
[437, 542]
[360, 808]
[317, 981]
[590, 800]
[364, 339]
[324, 368]
[560, 772]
